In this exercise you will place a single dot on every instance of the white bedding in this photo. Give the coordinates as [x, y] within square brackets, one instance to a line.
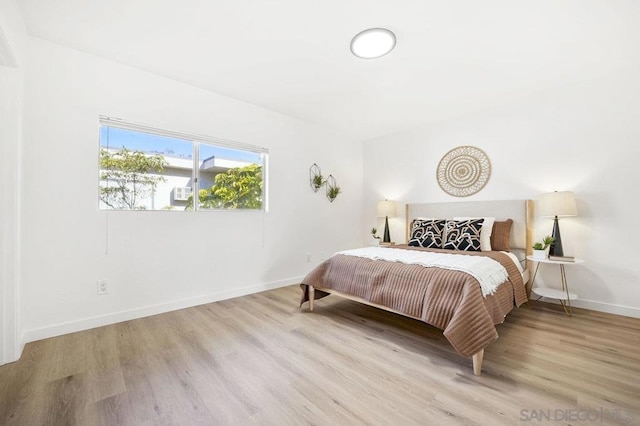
[515, 260]
[489, 273]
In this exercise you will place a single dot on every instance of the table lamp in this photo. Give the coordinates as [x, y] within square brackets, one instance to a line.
[557, 204]
[386, 208]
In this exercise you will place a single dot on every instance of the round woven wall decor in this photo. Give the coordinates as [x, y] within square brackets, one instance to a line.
[463, 171]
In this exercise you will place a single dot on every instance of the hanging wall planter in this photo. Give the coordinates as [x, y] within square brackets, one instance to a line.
[316, 181]
[315, 177]
[332, 188]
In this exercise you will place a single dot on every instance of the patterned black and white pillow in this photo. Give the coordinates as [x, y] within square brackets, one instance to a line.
[463, 234]
[427, 233]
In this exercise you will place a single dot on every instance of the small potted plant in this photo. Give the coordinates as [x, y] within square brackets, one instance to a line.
[315, 177]
[316, 182]
[374, 234]
[540, 248]
[332, 192]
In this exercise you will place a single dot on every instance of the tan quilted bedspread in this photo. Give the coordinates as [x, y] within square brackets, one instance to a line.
[449, 300]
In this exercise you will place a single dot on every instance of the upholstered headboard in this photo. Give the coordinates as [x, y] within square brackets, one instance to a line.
[521, 211]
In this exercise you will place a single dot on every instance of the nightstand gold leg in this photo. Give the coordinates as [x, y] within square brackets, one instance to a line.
[565, 287]
[533, 279]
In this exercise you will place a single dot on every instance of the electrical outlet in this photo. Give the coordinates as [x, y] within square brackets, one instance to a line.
[308, 257]
[103, 287]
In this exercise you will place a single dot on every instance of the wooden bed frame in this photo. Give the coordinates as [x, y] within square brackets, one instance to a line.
[520, 211]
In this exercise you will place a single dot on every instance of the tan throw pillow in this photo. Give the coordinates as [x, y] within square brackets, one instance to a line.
[501, 235]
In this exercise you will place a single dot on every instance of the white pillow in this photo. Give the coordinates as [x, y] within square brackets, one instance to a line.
[485, 231]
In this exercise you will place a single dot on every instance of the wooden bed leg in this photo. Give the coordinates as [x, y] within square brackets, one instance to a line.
[477, 362]
[312, 295]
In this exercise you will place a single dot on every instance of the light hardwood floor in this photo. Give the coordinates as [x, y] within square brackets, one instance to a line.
[260, 359]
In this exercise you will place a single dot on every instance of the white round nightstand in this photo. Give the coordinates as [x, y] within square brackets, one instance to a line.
[564, 296]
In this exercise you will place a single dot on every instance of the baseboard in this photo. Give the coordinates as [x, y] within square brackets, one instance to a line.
[116, 317]
[593, 305]
[10, 349]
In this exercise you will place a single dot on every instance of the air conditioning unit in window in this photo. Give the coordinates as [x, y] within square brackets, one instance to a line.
[181, 193]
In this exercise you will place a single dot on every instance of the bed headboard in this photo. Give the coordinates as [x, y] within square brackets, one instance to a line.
[521, 211]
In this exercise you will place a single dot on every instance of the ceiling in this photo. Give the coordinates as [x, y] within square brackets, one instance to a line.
[292, 56]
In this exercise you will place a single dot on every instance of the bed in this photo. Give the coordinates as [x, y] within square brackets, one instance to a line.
[464, 293]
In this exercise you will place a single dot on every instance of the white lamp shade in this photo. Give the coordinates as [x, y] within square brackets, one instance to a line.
[386, 208]
[559, 203]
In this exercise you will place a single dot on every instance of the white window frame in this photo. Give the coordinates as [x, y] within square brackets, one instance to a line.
[196, 140]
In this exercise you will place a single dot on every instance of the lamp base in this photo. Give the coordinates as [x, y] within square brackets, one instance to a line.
[556, 248]
[387, 237]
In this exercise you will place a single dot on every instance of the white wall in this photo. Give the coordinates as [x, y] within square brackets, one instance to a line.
[13, 36]
[582, 137]
[157, 261]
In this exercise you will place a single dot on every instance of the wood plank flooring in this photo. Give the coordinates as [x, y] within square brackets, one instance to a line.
[259, 359]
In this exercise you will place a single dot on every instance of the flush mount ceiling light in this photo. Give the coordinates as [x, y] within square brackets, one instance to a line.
[373, 43]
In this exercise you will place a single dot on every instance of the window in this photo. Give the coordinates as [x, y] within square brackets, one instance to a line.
[142, 168]
[182, 193]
